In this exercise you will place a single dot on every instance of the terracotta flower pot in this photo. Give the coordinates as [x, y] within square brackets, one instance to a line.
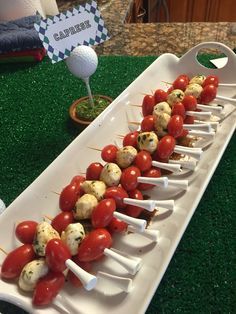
[72, 110]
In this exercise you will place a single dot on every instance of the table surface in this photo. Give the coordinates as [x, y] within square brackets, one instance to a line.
[35, 128]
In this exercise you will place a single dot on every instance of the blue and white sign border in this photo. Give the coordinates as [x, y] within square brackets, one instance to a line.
[56, 55]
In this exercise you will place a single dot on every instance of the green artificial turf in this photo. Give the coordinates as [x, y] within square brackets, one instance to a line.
[35, 128]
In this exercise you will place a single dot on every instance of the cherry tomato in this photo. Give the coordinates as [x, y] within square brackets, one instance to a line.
[117, 226]
[147, 124]
[151, 173]
[190, 103]
[68, 197]
[93, 171]
[56, 254]
[73, 279]
[131, 210]
[129, 178]
[103, 213]
[165, 146]
[77, 180]
[175, 125]
[109, 153]
[148, 104]
[25, 231]
[118, 194]
[47, 288]
[189, 120]
[16, 260]
[143, 160]
[160, 95]
[183, 134]
[130, 139]
[208, 94]
[62, 220]
[211, 80]
[181, 82]
[94, 244]
[170, 89]
[178, 109]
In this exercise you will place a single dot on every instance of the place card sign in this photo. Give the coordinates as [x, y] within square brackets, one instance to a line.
[82, 25]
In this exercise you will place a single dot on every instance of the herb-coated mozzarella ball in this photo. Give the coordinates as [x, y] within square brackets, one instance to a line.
[162, 107]
[96, 188]
[72, 236]
[160, 124]
[125, 156]
[194, 90]
[44, 233]
[176, 95]
[31, 273]
[147, 141]
[198, 79]
[111, 174]
[84, 206]
[162, 120]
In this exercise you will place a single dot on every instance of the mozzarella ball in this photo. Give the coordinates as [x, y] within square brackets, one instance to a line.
[198, 79]
[161, 120]
[176, 95]
[147, 141]
[194, 90]
[31, 273]
[125, 156]
[96, 188]
[72, 236]
[111, 174]
[162, 107]
[84, 206]
[44, 233]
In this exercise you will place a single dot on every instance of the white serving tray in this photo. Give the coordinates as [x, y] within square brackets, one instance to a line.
[38, 199]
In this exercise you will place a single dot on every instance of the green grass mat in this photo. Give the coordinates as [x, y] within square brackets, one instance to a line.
[35, 128]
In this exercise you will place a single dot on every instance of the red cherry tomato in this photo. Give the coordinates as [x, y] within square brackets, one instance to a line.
[62, 220]
[131, 210]
[148, 104]
[94, 244]
[93, 171]
[130, 139]
[118, 194]
[25, 231]
[181, 82]
[117, 226]
[147, 124]
[183, 134]
[47, 288]
[175, 125]
[178, 109]
[170, 89]
[151, 173]
[165, 146]
[16, 260]
[56, 254]
[77, 180]
[189, 120]
[208, 94]
[160, 95]
[143, 160]
[108, 153]
[102, 214]
[72, 278]
[68, 197]
[190, 103]
[211, 80]
[129, 178]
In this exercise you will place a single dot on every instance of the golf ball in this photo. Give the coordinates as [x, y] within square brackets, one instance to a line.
[2, 206]
[82, 62]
